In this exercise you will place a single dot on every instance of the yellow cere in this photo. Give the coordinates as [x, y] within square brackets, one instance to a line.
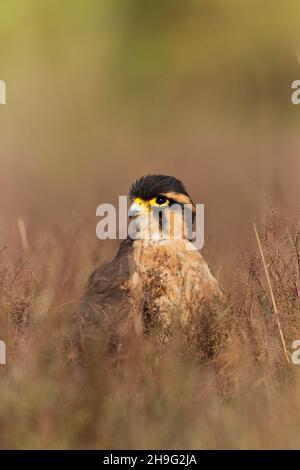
[141, 202]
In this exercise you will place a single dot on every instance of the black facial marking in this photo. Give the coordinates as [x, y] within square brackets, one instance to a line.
[151, 186]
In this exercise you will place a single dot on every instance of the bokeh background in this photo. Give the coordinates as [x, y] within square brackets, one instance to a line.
[100, 92]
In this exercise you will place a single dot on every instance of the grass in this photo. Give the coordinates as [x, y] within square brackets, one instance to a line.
[153, 398]
[98, 94]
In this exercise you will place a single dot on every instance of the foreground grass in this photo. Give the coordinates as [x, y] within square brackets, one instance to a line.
[152, 398]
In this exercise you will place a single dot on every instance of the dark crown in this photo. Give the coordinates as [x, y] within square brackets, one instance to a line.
[150, 186]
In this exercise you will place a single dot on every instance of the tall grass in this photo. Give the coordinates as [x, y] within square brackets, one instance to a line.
[153, 398]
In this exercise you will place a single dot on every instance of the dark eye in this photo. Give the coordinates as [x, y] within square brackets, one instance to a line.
[160, 200]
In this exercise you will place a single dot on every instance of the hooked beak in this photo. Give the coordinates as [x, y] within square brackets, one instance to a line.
[137, 208]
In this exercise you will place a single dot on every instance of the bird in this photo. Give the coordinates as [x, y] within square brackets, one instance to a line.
[155, 285]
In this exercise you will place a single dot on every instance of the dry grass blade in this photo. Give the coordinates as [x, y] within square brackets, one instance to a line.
[23, 234]
[271, 294]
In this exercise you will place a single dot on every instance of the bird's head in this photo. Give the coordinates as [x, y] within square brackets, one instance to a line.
[157, 191]
[158, 194]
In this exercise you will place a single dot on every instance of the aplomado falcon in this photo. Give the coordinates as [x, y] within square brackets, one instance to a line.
[154, 286]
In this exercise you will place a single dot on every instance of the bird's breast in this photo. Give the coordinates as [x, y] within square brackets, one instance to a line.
[168, 280]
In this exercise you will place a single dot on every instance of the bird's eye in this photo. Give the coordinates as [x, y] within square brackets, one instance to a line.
[160, 200]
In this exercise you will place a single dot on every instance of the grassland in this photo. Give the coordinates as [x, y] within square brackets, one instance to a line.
[153, 398]
[98, 94]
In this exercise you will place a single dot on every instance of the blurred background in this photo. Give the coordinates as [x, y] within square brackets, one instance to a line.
[102, 92]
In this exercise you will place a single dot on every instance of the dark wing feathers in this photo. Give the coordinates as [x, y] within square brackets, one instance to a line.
[105, 300]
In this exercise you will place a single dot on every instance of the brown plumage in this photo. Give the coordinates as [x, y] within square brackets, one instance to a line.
[154, 287]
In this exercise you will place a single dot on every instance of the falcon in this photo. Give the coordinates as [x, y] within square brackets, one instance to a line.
[155, 286]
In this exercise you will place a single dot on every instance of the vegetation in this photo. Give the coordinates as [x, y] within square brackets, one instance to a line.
[152, 398]
[98, 94]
